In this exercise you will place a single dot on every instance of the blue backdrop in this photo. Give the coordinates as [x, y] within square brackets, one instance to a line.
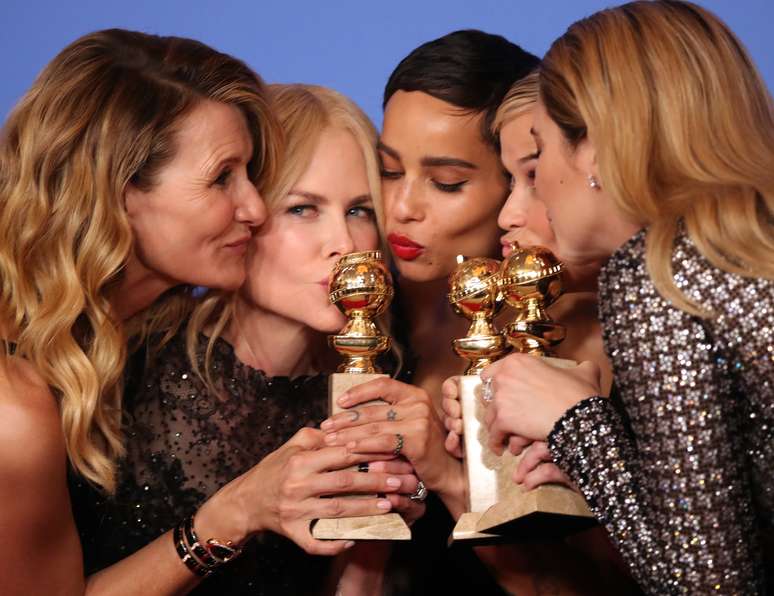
[349, 45]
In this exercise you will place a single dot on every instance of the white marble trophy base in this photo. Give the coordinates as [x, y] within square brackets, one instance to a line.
[389, 526]
[500, 509]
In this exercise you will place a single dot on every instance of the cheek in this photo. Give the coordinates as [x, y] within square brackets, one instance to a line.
[365, 237]
[469, 218]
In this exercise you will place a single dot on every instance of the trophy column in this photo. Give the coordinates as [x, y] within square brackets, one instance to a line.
[475, 294]
[530, 281]
[361, 287]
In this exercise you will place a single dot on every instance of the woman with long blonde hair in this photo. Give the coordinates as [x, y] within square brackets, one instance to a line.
[656, 141]
[129, 170]
[214, 419]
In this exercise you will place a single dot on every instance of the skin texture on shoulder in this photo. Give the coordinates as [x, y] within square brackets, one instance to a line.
[39, 542]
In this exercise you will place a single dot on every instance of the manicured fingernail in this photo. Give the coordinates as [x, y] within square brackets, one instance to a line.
[343, 399]
[383, 504]
[327, 424]
[349, 544]
[331, 438]
[393, 482]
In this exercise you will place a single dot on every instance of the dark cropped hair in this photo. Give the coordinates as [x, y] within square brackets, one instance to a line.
[469, 69]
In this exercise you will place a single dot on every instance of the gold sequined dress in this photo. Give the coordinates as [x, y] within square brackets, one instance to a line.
[683, 476]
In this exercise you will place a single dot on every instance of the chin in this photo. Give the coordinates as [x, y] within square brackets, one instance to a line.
[328, 323]
[420, 272]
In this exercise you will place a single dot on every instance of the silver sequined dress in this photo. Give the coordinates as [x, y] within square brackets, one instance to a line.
[683, 476]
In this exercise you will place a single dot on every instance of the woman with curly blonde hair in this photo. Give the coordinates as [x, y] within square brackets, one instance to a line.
[656, 141]
[128, 171]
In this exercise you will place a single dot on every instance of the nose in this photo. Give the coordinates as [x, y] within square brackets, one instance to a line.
[513, 214]
[403, 202]
[339, 240]
[250, 207]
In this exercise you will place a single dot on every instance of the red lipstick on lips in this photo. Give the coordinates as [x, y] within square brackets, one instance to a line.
[404, 247]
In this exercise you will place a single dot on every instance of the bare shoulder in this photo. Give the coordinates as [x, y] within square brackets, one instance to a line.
[31, 432]
[39, 539]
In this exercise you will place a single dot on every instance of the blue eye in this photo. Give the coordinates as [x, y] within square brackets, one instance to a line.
[362, 211]
[302, 210]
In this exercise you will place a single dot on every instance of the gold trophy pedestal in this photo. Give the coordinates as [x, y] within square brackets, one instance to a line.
[389, 526]
[361, 287]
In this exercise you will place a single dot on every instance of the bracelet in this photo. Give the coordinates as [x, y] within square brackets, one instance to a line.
[185, 556]
[192, 540]
[217, 552]
[200, 558]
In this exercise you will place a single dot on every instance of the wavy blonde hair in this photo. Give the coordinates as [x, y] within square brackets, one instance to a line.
[305, 112]
[520, 99]
[683, 128]
[100, 116]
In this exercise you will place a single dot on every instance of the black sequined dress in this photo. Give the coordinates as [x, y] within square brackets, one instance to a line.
[183, 444]
[685, 486]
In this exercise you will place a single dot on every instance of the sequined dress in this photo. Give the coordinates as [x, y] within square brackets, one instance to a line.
[683, 476]
[183, 444]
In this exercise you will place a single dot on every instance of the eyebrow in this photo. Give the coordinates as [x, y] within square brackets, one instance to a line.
[430, 161]
[317, 198]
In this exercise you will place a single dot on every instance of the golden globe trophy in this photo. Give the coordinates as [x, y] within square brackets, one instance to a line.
[361, 287]
[474, 293]
[530, 281]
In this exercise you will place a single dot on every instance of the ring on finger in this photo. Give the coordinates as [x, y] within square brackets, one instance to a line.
[486, 390]
[392, 415]
[398, 444]
[420, 494]
[362, 467]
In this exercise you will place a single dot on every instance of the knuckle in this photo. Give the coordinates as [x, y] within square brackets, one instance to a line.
[295, 461]
[423, 408]
[334, 507]
[342, 479]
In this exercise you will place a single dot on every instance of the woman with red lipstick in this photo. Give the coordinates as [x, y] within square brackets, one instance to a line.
[443, 187]
[213, 422]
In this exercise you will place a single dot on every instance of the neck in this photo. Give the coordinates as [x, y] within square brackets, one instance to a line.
[138, 288]
[431, 320]
[272, 343]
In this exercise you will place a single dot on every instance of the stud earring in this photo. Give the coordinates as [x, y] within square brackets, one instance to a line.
[593, 182]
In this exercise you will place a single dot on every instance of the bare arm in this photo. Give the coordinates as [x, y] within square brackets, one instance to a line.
[39, 540]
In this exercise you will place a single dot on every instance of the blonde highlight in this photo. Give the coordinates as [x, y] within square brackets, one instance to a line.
[683, 129]
[100, 116]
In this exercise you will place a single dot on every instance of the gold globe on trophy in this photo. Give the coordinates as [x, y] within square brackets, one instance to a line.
[474, 293]
[531, 281]
[361, 287]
